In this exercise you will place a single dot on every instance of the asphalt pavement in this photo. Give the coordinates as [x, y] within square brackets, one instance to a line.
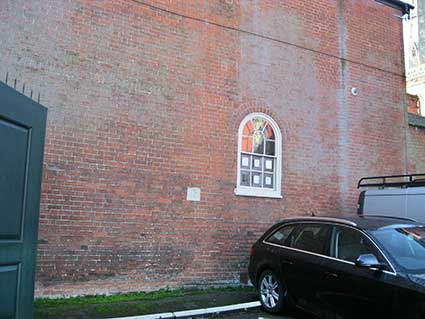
[255, 313]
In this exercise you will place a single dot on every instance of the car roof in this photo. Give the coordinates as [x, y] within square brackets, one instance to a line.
[362, 222]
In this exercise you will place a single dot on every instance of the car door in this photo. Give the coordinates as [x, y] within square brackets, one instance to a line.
[352, 291]
[307, 251]
[276, 252]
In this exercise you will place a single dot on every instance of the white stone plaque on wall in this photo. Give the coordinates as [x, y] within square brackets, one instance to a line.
[193, 194]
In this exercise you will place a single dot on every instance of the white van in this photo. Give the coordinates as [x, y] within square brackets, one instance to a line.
[395, 196]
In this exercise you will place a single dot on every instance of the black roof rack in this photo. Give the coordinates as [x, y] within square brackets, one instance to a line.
[403, 181]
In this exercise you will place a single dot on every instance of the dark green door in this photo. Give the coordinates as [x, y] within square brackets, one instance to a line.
[22, 129]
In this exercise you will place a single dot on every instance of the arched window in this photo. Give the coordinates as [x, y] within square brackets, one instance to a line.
[259, 157]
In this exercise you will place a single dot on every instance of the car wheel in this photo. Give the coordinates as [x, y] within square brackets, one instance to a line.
[272, 292]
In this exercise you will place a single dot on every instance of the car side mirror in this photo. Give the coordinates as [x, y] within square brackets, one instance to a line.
[368, 261]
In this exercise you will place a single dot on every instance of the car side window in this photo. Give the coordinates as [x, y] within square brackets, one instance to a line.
[280, 236]
[350, 243]
[313, 238]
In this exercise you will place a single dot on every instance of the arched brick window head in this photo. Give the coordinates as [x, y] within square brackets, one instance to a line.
[259, 157]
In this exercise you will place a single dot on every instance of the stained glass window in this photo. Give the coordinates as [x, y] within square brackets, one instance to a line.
[258, 155]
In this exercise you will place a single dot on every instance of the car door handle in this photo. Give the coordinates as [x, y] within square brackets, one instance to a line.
[287, 262]
[331, 275]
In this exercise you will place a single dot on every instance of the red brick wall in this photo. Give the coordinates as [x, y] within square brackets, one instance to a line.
[145, 102]
[416, 149]
[415, 140]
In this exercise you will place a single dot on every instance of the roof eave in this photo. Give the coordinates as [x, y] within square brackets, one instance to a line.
[399, 5]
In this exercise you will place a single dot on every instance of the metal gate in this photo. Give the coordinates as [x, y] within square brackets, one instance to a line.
[22, 131]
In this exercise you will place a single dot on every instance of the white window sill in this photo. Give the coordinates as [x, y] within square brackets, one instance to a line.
[257, 192]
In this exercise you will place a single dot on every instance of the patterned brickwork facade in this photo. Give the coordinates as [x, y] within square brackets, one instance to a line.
[145, 100]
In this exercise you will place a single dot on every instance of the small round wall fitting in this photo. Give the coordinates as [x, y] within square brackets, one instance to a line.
[354, 91]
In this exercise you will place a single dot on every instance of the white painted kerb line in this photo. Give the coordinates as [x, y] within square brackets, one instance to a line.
[197, 312]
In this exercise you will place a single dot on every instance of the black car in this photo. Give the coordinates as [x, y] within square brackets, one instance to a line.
[359, 267]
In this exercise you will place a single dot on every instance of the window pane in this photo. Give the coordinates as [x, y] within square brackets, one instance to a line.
[259, 123]
[245, 161]
[350, 244]
[268, 164]
[258, 143]
[313, 238]
[280, 236]
[245, 178]
[270, 148]
[256, 179]
[269, 132]
[406, 245]
[268, 180]
[247, 144]
[248, 129]
[257, 163]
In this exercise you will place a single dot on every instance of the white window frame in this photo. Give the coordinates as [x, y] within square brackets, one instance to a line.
[259, 191]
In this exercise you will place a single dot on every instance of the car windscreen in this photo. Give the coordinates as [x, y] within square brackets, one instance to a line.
[406, 245]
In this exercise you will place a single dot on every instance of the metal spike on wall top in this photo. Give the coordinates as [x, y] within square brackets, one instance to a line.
[14, 84]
